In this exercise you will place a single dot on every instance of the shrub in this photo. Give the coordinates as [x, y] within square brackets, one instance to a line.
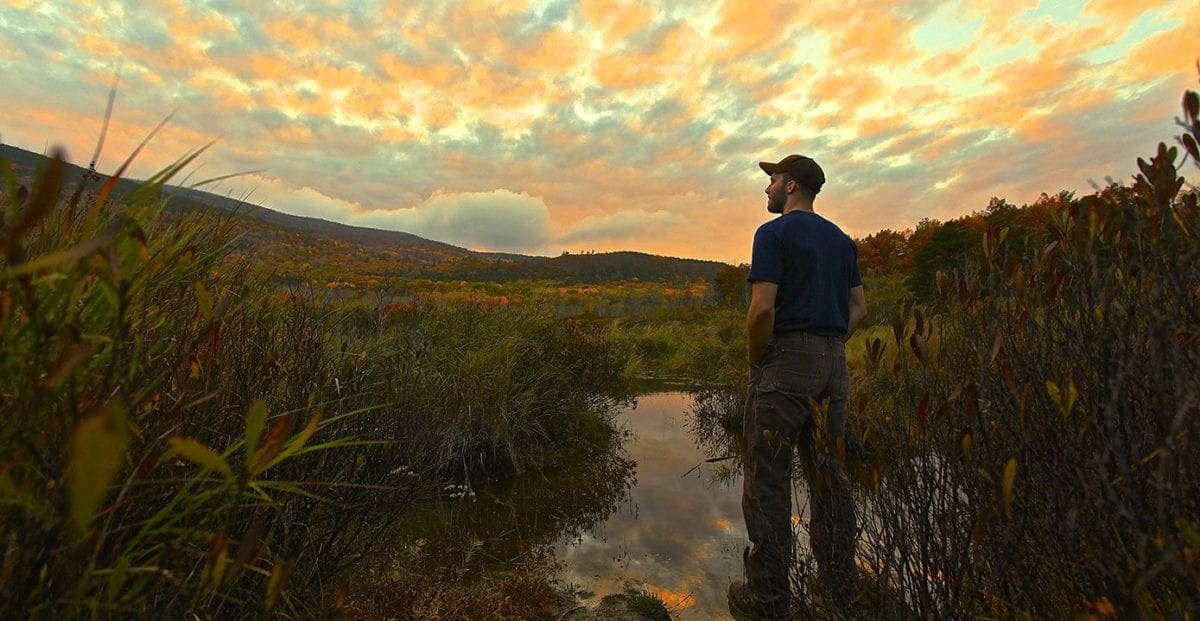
[1043, 459]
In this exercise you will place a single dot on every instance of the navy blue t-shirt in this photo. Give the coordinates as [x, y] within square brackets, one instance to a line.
[815, 265]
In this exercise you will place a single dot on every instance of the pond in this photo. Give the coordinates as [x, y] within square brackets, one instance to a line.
[647, 510]
[680, 532]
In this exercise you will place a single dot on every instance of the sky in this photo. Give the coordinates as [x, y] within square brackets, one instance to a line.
[544, 125]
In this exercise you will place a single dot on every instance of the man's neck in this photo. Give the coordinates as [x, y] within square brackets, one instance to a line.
[797, 206]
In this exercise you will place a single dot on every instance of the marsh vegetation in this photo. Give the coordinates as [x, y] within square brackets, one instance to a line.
[182, 436]
[185, 434]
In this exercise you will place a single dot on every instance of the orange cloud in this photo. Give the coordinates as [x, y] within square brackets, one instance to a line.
[615, 71]
[873, 127]
[617, 18]
[852, 89]
[394, 134]
[438, 73]
[998, 15]
[488, 89]
[438, 114]
[879, 38]
[300, 103]
[554, 54]
[333, 77]
[377, 102]
[1122, 11]
[752, 26]
[220, 92]
[1165, 52]
[269, 67]
[293, 133]
[946, 62]
[97, 46]
[671, 59]
[1021, 78]
[301, 34]
[188, 22]
[79, 133]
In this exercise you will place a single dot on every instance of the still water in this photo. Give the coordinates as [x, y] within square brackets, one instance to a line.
[645, 510]
[679, 532]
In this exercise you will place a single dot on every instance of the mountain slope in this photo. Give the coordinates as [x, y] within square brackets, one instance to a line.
[298, 244]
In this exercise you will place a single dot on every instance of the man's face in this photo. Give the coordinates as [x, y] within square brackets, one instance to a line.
[777, 193]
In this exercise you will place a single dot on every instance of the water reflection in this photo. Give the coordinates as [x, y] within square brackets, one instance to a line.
[534, 510]
[645, 508]
[681, 533]
[715, 425]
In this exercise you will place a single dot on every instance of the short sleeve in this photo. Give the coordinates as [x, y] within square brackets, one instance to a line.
[855, 275]
[766, 259]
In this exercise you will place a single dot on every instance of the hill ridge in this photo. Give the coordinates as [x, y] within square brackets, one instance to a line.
[413, 255]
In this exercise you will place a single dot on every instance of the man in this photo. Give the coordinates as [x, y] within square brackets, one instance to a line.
[807, 299]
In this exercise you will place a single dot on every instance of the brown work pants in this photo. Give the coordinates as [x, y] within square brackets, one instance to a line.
[797, 371]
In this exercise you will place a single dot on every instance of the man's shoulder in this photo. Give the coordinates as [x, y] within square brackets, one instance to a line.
[836, 230]
[770, 226]
[815, 222]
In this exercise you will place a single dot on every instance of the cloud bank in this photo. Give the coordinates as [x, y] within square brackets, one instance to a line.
[498, 220]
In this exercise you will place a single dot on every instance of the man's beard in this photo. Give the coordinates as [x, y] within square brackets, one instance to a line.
[775, 202]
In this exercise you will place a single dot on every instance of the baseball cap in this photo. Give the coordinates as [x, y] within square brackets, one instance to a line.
[803, 169]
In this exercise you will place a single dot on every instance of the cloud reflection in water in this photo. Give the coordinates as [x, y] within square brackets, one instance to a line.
[681, 537]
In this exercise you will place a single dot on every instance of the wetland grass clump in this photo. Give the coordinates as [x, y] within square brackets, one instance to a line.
[691, 347]
[182, 437]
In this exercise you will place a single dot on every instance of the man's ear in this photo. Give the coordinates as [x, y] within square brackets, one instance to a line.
[792, 186]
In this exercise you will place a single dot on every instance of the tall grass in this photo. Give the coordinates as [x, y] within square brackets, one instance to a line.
[182, 437]
[698, 346]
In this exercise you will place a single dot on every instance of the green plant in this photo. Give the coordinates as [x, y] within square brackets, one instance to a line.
[647, 604]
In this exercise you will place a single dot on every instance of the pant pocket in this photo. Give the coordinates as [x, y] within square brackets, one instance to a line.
[797, 372]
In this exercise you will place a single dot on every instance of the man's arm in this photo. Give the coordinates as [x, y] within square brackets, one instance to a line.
[760, 320]
[858, 309]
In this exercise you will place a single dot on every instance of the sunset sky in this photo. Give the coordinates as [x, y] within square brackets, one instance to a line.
[544, 126]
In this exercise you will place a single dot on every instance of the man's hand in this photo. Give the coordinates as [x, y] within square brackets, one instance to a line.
[760, 319]
[858, 310]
